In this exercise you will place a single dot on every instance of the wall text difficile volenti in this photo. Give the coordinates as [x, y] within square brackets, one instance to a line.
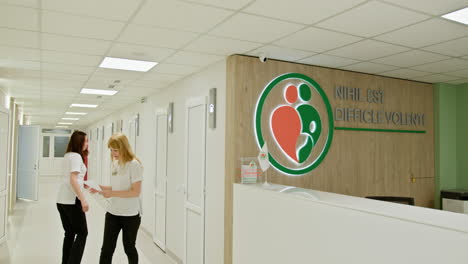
[372, 116]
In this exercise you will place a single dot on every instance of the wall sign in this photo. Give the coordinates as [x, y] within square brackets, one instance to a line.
[301, 124]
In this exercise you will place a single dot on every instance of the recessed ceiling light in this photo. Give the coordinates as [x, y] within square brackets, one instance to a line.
[63, 123]
[460, 16]
[75, 113]
[70, 118]
[84, 105]
[61, 126]
[125, 64]
[97, 91]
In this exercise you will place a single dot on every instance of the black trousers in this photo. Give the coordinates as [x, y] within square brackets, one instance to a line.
[76, 231]
[129, 226]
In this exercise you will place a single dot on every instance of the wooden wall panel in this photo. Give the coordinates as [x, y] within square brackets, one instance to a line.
[359, 163]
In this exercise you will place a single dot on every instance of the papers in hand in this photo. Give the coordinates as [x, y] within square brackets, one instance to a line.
[93, 185]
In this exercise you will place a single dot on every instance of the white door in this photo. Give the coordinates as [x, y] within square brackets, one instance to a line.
[98, 163]
[195, 181]
[53, 149]
[28, 162]
[3, 174]
[133, 133]
[106, 163]
[160, 181]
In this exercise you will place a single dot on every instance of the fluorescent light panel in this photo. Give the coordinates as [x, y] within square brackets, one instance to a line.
[70, 118]
[64, 123]
[61, 126]
[97, 91]
[126, 64]
[460, 16]
[75, 113]
[84, 105]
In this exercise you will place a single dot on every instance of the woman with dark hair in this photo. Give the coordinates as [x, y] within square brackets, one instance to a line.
[71, 202]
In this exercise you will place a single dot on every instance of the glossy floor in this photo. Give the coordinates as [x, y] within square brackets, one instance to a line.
[35, 233]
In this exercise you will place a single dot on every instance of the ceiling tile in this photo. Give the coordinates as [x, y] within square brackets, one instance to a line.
[66, 68]
[411, 58]
[457, 47]
[71, 58]
[65, 76]
[11, 53]
[137, 52]
[148, 85]
[19, 38]
[368, 67]
[19, 17]
[61, 84]
[371, 19]
[221, 46]
[224, 3]
[169, 78]
[22, 65]
[443, 66]
[435, 78]
[461, 73]
[367, 50]
[261, 29]
[27, 3]
[25, 76]
[180, 15]
[112, 74]
[156, 37]
[105, 9]
[301, 11]
[280, 53]
[192, 58]
[434, 7]
[404, 73]
[459, 81]
[425, 33]
[328, 61]
[75, 45]
[175, 69]
[79, 26]
[317, 40]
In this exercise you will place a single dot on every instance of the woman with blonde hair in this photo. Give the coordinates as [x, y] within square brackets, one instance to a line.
[124, 208]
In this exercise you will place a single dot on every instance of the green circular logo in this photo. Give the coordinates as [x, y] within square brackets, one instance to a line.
[301, 124]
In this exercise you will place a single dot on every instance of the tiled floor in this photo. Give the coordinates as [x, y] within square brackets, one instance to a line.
[35, 233]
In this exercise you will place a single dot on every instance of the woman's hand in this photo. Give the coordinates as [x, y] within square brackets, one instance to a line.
[93, 191]
[84, 206]
[105, 187]
[106, 193]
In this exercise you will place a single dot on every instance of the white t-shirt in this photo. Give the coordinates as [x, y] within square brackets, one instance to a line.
[72, 162]
[122, 178]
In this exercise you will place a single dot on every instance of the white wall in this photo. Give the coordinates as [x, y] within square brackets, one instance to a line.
[193, 86]
[277, 228]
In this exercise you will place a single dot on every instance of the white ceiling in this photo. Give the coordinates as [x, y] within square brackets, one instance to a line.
[50, 49]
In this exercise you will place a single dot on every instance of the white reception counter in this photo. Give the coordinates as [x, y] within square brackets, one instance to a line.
[281, 224]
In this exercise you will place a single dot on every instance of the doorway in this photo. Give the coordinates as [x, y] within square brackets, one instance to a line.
[194, 205]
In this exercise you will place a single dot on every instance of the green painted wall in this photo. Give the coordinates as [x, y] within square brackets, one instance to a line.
[462, 136]
[451, 137]
[445, 115]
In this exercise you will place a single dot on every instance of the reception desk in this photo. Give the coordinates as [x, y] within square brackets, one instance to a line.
[281, 224]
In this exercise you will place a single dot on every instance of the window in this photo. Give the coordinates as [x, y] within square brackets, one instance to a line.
[56, 131]
[60, 146]
[45, 146]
